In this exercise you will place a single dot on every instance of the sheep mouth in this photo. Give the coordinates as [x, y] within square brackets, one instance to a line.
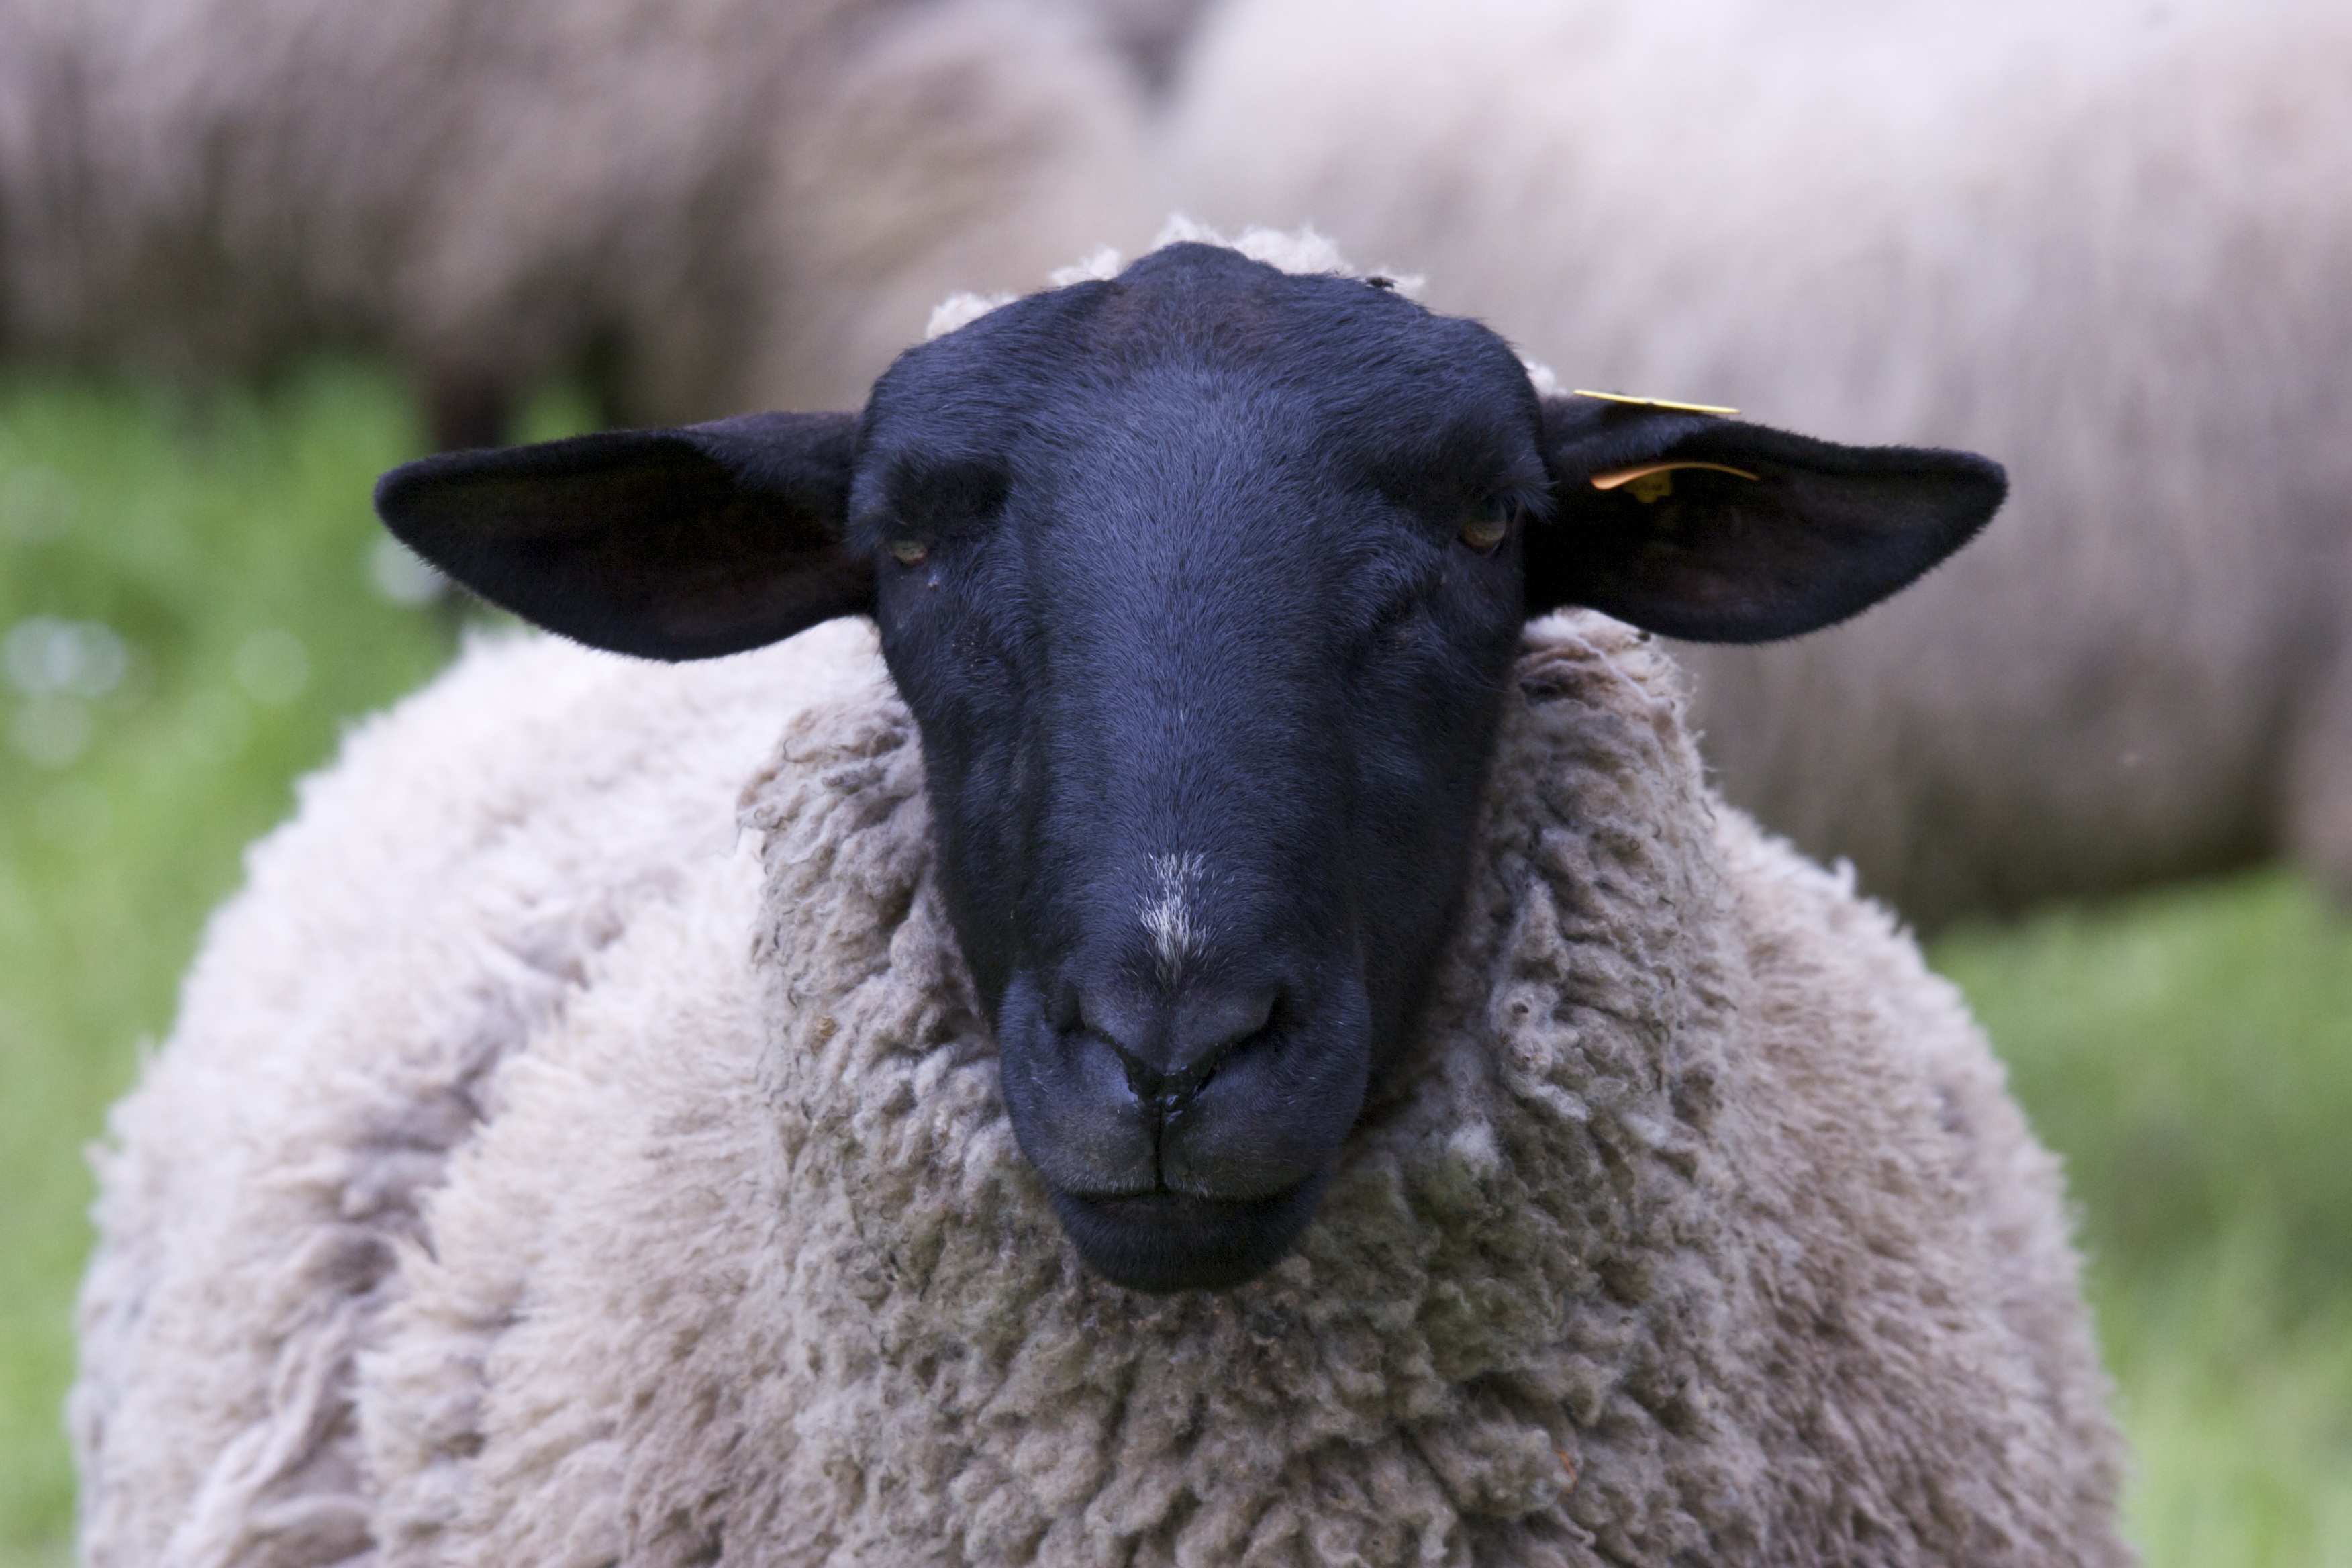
[1164, 1242]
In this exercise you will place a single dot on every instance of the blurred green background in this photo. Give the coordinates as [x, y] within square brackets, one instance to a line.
[194, 599]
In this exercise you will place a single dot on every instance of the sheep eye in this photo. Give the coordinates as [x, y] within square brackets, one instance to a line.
[1488, 524]
[909, 552]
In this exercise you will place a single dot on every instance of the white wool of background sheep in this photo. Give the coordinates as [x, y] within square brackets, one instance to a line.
[2105, 244]
[673, 1201]
[712, 206]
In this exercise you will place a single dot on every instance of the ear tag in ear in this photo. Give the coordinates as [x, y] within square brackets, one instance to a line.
[1656, 403]
[1647, 482]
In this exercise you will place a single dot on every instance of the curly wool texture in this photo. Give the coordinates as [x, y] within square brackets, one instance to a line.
[1700, 1229]
[2101, 242]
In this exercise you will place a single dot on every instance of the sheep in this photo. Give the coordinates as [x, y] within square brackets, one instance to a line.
[700, 207]
[1241, 1040]
[2112, 243]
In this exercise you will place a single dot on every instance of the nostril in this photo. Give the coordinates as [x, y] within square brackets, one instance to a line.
[1142, 1078]
[1170, 1051]
[1164, 1089]
[1132, 1033]
[1206, 1033]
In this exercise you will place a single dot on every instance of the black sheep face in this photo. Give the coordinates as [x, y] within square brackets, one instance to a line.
[1202, 585]
[1198, 586]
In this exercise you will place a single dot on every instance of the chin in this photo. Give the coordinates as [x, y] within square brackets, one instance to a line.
[1162, 1243]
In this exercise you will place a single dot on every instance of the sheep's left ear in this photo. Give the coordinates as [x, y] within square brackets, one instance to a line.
[1715, 531]
[672, 544]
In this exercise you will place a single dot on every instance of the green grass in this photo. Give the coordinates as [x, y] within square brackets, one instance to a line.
[2190, 1053]
[228, 556]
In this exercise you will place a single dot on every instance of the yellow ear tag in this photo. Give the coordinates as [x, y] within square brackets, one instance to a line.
[1647, 482]
[1655, 403]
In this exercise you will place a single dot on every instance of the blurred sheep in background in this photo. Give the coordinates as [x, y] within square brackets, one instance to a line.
[2120, 227]
[2120, 235]
[702, 207]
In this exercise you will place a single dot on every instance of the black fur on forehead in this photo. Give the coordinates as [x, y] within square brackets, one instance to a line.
[1396, 390]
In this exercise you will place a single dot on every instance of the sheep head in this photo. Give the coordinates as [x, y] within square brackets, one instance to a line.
[1202, 584]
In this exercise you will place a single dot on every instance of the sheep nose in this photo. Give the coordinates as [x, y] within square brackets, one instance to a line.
[1170, 1052]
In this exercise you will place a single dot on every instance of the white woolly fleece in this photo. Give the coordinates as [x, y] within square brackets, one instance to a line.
[1299, 250]
[437, 898]
[669, 1203]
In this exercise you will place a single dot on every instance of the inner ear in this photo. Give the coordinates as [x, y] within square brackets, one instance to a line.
[671, 544]
[1713, 530]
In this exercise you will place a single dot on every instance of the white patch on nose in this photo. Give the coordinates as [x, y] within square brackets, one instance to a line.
[1167, 911]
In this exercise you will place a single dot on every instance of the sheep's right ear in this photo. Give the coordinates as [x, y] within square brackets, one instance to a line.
[669, 544]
